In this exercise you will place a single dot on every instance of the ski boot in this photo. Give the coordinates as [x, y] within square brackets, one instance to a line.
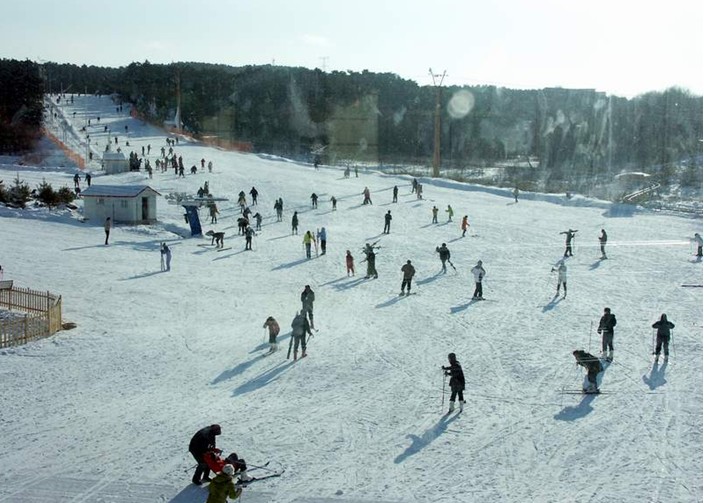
[462, 402]
[452, 407]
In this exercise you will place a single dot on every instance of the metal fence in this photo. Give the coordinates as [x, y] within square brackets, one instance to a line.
[26, 315]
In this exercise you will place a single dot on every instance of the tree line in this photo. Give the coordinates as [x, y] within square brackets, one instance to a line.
[560, 134]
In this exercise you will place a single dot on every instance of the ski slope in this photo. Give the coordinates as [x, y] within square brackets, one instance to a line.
[113, 403]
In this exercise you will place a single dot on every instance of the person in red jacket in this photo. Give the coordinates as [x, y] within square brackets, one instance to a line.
[216, 463]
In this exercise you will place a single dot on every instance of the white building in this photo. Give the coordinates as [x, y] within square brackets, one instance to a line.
[125, 204]
[115, 162]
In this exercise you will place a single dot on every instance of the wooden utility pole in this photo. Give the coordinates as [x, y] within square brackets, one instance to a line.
[438, 100]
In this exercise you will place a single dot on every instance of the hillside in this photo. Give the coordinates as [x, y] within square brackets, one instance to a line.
[157, 356]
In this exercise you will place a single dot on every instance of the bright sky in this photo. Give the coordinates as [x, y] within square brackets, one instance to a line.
[620, 47]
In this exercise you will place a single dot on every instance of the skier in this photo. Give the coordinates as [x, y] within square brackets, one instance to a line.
[248, 234]
[274, 329]
[593, 366]
[569, 235]
[76, 180]
[408, 272]
[165, 257]
[663, 336]
[465, 225]
[322, 236]
[307, 242]
[602, 243]
[210, 166]
[478, 272]
[202, 161]
[314, 200]
[307, 299]
[333, 200]
[515, 194]
[414, 185]
[107, 226]
[454, 370]
[213, 213]
[387, 222]
[449, 212]
[223, 486]
[561, 277]
[258, 220]
[242, 224]
[299, 329]
[444, 255]
[370, 259]
[88, 178]
[435, 215]
[419, 191]
[294, 222]
[367, 196]
[606, 329]
[698, 239]
[395, 196]
[254, 193]
[202, 442]
[349, 262]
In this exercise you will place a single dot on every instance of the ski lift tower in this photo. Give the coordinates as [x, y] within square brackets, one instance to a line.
[191, 205]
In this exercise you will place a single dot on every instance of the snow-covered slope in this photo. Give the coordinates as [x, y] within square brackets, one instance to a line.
[156, 356]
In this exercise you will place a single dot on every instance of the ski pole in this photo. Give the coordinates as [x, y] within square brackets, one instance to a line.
[591, 327]
[672, 341]
[290, 344]
[442, 404]
[653, 343]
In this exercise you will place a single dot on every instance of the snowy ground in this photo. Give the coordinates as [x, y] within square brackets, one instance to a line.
[104, 412]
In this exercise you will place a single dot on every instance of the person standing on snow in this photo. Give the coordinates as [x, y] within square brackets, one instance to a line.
[593, 366]
[435, 215]
[561, 277]
[569, 236]
[349, 262]
[274, 329]
[450, 213]
[387, 222]
[107, 226]
[698, 239]
[370, 259]
[213, 209]
[333, 200]
[602, 243]
[663, 336]
[478, 272]
[165, 257]
[294, 223]
[408, 272]
[202, 442]
[444, 255]
[307, 299]
[299, 329]
[367, 196]
[248, 234]
[307, 242]
[606, 329]
[323, 238]
[465, 225]
[254, 193]
[258, 220]
[395, 196]
[454, 370]
[314, 200]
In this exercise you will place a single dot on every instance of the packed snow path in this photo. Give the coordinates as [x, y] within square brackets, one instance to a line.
[156, 356]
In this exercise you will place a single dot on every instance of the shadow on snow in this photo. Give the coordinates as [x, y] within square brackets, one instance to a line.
[657, 376]
[419, 443]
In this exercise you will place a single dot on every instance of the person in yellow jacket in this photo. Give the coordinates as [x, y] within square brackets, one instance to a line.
[223, 486]
[308, 241]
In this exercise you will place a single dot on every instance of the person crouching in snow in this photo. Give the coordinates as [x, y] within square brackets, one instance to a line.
[274, 329]
[216, 463]
[454, 370]
[593, 366]
[223, 486]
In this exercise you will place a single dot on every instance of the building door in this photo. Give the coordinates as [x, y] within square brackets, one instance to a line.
[145, 208]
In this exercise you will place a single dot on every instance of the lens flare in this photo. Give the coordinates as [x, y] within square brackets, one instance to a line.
[460, 104]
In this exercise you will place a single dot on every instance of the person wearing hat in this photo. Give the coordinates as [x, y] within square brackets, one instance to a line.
[454, 370]
[478, 272]
[408, 272]
[202, 442]
[223, 486]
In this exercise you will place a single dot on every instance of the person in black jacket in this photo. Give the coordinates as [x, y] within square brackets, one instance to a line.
[663, 336]
[444, 255]
[606, 329]
[593, 366]
[202, 442]
[454, 370]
